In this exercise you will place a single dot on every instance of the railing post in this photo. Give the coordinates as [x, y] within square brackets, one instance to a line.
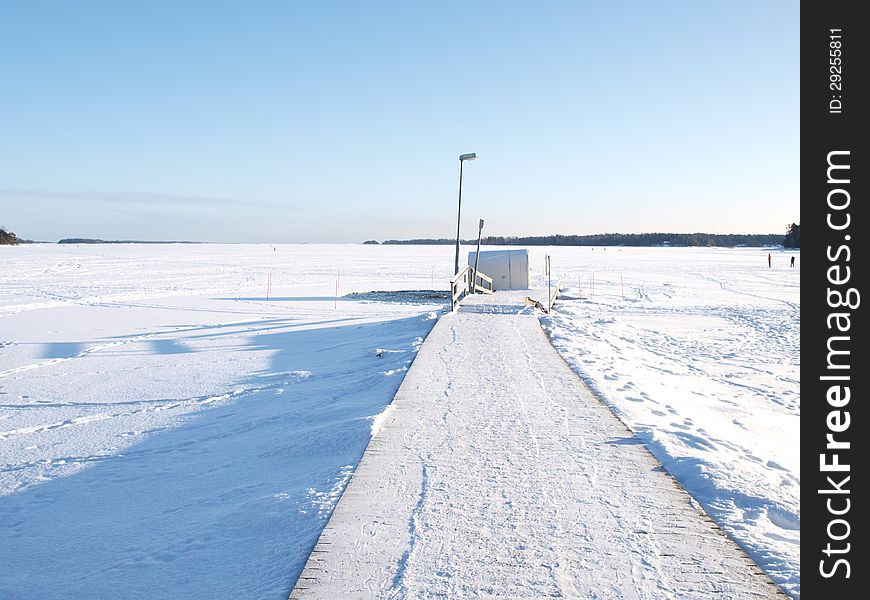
[552, 293]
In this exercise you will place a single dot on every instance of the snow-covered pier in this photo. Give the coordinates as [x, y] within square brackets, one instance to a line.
[497, 473]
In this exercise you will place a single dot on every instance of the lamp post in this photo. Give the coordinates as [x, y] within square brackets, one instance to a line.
[462, 159]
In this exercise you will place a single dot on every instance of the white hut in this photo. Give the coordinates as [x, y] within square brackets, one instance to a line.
[509, 269]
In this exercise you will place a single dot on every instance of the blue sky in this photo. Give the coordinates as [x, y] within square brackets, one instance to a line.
[343, 121]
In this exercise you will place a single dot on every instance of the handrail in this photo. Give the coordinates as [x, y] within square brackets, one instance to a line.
[485, 284]
[458, 287]
[466, 282]
[552, 299]
[460, 275]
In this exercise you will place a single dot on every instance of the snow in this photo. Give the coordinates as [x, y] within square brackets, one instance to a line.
[498, 474]
[167, 431]
[701, 359]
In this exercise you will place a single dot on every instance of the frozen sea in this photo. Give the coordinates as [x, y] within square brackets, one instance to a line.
[179, 420]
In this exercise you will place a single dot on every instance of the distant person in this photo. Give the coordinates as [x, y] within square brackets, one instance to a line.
[792, 261]
[768, 260]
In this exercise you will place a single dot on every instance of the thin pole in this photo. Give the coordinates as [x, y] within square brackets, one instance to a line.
[477, 258]
[549, 278]
[458, 218]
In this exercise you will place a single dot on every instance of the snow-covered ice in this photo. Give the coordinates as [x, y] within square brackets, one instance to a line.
[698, 351]
[167, 431]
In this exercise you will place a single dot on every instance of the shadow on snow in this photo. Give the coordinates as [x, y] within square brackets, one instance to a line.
[229, 503]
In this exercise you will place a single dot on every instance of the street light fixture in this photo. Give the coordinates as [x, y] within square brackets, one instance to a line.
[462, 159]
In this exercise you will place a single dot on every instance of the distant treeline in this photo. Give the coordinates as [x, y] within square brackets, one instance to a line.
[619, 239]
[98, 241]
[792, 236]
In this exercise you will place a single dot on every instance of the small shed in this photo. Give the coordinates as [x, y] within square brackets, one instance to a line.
[509, 269]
